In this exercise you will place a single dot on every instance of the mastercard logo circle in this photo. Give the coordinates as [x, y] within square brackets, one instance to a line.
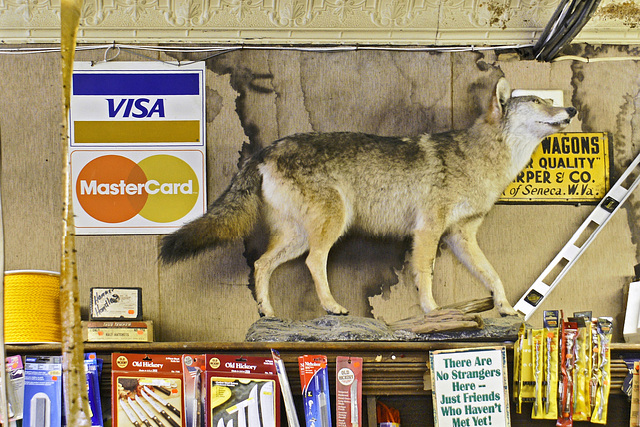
[114, 189]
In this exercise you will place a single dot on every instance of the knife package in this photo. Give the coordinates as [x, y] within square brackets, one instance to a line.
[241, 392]
[43, 391]
[348, 391]
[314, 378]
[193, 369]
[147, 390]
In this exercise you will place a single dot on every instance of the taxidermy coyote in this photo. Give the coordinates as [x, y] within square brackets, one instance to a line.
[312, 188]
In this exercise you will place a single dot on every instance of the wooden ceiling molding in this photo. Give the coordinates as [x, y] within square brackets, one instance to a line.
[317, 22]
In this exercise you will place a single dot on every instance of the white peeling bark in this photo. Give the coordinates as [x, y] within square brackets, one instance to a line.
[73, 371]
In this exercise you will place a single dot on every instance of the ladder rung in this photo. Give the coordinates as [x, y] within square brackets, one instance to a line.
[599, 215]
[570, 252]
[617, 192]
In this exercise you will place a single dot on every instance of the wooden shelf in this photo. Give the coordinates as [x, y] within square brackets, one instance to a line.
[398, 371]
[340, 346]
[390, 368]
[199, 347]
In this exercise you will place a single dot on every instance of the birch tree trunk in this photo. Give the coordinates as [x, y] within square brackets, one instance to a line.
[73, 371]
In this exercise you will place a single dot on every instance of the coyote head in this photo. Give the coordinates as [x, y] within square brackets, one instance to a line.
[525, 120]
[535, 117]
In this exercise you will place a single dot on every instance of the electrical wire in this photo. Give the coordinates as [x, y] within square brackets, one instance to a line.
[604, 59]
[220, 50]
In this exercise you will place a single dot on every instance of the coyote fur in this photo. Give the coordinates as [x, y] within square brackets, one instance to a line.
[312, 188]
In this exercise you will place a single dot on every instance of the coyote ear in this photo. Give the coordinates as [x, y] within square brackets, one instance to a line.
[499, 100]
[503, 91]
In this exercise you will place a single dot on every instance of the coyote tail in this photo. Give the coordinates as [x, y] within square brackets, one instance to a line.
[233, 215]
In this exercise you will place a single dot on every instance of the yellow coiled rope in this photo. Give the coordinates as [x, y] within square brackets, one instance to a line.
[32, 306]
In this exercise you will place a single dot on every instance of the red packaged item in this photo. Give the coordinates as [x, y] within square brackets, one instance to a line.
[568, 373]
[146, 389]
[241, 391]
[348, 391]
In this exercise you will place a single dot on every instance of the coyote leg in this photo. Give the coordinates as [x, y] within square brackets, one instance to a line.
[284, 245]
[317, 264]
[326, 225]
[463, 243]
[425, 247]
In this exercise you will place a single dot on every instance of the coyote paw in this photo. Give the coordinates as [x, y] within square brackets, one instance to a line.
[428, 305]
[265, 310]
[505, 309]
[337, 309]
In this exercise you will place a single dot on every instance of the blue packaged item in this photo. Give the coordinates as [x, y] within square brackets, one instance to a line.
[93, 389]
[314, 379]
[43, 391]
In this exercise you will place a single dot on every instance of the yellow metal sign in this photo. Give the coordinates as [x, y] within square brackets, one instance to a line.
[566, 168]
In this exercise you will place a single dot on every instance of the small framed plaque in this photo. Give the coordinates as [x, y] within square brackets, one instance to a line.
[116, 304]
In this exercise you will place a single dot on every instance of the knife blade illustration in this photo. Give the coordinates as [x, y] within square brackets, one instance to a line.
[252, 408]
[354, 404]
[168, 405]
[322, 404]
[192, 398]
[240, 408]
[196, 399]
[139, 413]
[130, 414]
[158, 408]
[150, 413]
[266, 405]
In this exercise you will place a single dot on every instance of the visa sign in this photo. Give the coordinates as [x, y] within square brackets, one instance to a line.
[138, 108]
[137, 146]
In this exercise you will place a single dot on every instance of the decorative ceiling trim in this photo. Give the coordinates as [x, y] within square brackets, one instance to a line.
[343, 22]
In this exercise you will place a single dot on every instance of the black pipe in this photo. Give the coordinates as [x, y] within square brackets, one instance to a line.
[584, 18]
[550, 25]
[557, 34]
[577, 7]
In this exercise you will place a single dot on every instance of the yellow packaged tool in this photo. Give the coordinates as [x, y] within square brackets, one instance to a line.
[604, 330]
[548, 401]
[517, 368]
[527, 381]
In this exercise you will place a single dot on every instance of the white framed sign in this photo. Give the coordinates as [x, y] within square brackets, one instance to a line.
[470, 387]
[137, 146]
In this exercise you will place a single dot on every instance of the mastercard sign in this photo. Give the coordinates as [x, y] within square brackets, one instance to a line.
[137, 150]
